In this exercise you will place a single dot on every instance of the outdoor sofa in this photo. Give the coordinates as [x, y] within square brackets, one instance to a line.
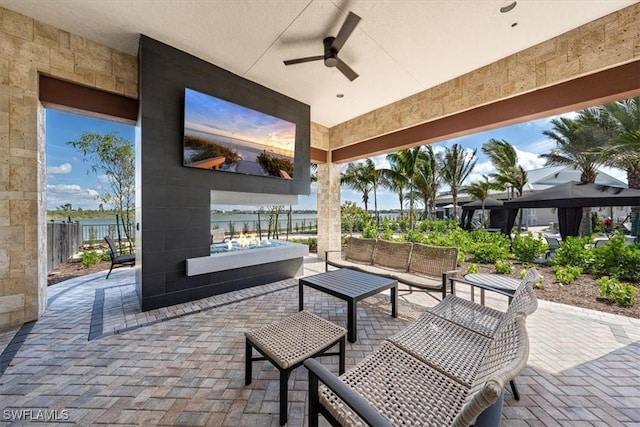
[448, 368]
[417, 265]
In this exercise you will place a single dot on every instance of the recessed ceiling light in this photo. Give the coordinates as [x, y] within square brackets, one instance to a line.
[508, 6]
[340, 95]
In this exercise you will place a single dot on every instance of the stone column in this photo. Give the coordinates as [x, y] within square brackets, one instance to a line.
[329, 228]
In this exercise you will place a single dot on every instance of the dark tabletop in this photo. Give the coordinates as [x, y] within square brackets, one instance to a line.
[351, 283]
[498, 281]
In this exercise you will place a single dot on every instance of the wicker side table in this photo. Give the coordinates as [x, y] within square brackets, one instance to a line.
[288, 343]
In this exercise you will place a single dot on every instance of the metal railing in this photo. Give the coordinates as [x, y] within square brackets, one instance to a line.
[297, 226]
[93, 234]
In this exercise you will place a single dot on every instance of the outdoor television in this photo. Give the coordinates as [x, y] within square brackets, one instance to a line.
[224, 136]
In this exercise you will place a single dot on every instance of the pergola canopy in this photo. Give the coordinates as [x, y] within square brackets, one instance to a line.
[496, 213]
[570, 198]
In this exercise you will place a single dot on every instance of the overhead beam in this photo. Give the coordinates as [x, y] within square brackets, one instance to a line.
[595, 89]
[72, 97]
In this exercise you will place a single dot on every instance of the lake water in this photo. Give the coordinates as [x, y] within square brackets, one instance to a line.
[97, 228]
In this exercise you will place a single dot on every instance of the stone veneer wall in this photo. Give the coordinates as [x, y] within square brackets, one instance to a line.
[27, 48]
[609, 41]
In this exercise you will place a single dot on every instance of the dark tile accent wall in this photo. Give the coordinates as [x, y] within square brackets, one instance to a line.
[173, 202]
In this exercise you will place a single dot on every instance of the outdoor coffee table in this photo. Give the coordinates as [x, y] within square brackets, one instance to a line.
[288, 343]
[507, 285]
[351, 286]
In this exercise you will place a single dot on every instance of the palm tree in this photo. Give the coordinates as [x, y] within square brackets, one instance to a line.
[455, 167]
[509, 174]
[408, 162]
[504, 158]
[394, 180]
[622, 120]
[427, 181]
[479, 190]
[375, 177]
[355, 177]
[578, 143]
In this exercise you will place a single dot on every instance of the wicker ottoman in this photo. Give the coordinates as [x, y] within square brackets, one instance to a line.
[288, 343]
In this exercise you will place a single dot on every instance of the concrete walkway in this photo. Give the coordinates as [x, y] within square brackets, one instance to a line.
[94, 358]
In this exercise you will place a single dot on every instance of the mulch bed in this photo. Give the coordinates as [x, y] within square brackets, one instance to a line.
[70, 270]
[585, 292]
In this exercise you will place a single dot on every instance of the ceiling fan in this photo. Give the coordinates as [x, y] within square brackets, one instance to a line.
[332, 46]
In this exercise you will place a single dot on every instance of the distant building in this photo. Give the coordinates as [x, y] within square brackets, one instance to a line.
[541, 179]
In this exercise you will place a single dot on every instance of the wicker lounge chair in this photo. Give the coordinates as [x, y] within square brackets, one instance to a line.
[446, 369]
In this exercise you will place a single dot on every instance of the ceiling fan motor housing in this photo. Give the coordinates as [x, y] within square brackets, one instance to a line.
[330, 54]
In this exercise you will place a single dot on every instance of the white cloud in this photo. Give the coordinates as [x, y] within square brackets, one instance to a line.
[63, 169]
[479, 171]
[104, 179]
[79, 197]
[529, 160]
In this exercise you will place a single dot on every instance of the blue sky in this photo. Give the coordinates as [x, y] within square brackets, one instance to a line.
[69, 179]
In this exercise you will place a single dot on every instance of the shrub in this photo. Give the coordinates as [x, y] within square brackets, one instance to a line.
[528, 248]
[619, 292]
[353, 218]
[573, 252]
[485, 247]
[568, 274]
[370, 230]
[105, 256]
[461, 257]
[387, 234]
[312, 242]
[618, 259]
[473, 268]
[504, 266]
[89, 258]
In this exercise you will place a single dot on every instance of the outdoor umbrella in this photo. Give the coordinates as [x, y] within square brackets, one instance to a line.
[569, 198]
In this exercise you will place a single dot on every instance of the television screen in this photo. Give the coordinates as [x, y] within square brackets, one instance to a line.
[223, 136]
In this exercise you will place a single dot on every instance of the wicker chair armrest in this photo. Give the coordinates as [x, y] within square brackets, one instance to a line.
[455, 280]
[349, 396]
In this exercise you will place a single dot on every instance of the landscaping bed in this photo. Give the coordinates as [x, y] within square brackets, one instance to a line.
[584, 292]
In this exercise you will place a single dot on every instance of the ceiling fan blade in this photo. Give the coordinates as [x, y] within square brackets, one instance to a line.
[346, 30]
[346, 70]
[301, 60]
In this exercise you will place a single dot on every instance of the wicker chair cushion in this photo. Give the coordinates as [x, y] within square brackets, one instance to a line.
[295, 338]
[432, 260]
[360, 250]
[420, 281]
[392, 255]
[401, 388]
[446, 346]
[362, 266]
[476, 317]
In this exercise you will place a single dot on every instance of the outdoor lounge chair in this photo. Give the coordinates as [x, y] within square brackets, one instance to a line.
[116, 257]
[553, 243]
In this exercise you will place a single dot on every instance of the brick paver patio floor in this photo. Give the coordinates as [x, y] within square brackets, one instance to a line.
[94, 358]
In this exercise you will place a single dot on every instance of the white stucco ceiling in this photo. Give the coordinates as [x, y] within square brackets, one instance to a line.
[400, 47]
